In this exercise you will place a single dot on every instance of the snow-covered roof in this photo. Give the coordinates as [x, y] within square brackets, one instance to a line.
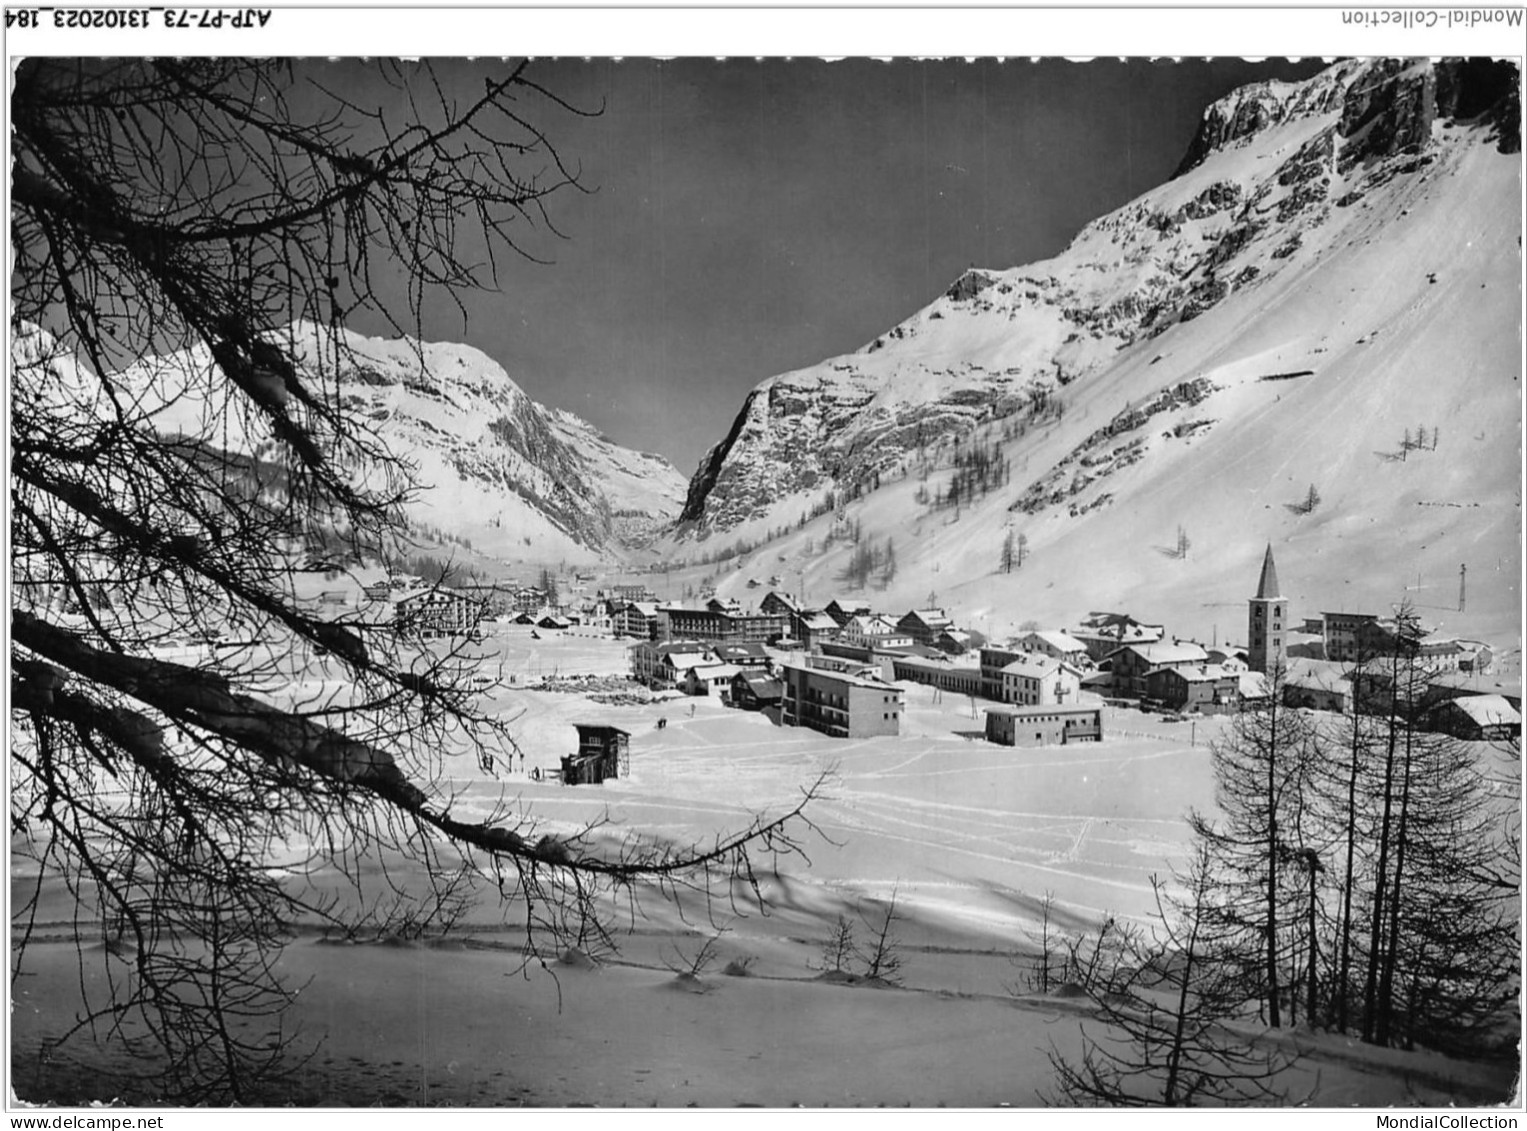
[868, 679]
[933, 618]
[1207, 673]
[1254, 685]
[1319, 675]
[715, 671]
[1035, 666]
[1042, 709]
[1159, 652]
[1488, 710]
[1060, 641]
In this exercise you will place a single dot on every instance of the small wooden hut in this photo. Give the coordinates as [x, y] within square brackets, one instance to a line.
[604, 752]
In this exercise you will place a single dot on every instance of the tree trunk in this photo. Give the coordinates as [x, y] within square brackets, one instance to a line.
[1376, 932]
[1343, 988]
[1314, 996]
[1391, 955]
[1272, 871]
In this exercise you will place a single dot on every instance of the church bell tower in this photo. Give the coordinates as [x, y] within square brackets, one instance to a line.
[1267, 620]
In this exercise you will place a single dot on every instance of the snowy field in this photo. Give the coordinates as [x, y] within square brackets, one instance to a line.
[968, 836]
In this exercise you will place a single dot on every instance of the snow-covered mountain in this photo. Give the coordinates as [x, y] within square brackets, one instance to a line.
[515, 479]
[1335, 268]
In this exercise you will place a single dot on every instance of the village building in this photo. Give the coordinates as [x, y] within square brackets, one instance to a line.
[754, 690]
[1358, 637]
[1255, 690]
[958, 679]
[712, 680]
[992, 661]
[626, 594]
[1474, 656]
[719, 621]
[1057, 645]
[604, 753]
[814, 628]
[924, 625]
[1202, 689]
[529, 599]
[1103, 633]
[1032, 680]
[1456, 685]
[659, 664]
[636, 618]
[555, 621]
[953, 641]
[497, 599]
[1231, 658]
[1131, 665]
[873, 632]
[743, 655]
[596, 616]
[1317, 685]
[436, 612]
[839, 703]
[1478, 718]
[780, 604]
[1267, 621]
[1439, 653]
[841, 609]
[852, 665]
[1044, 725]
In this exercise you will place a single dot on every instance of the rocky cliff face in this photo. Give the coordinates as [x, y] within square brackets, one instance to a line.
[1267, 180]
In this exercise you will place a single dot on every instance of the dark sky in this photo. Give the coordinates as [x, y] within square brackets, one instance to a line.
[754, 217]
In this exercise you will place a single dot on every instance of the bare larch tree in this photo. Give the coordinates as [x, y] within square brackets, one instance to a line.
[199, 232]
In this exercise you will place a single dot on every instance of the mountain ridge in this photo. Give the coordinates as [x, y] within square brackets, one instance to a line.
[800, 430]
[1162, 369]
[490, 467]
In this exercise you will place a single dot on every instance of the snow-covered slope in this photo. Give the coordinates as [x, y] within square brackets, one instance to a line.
[1337, 265]
[492, 467]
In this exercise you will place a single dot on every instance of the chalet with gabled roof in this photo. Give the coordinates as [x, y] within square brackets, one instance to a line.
[754, 690]
[1477, 718]
[872, 632]
[953, 641]
[604, 753]
[924, 625]
[842, 609]
[780, 604]
[1103, 633]
[1057, 645]
[663, 663]
[1195, 689]
[1133, 663]
[749, 655]
[710, 679]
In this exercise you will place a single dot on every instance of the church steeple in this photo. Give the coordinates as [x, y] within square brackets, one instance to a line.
[1267, 620]
[1267, 587]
